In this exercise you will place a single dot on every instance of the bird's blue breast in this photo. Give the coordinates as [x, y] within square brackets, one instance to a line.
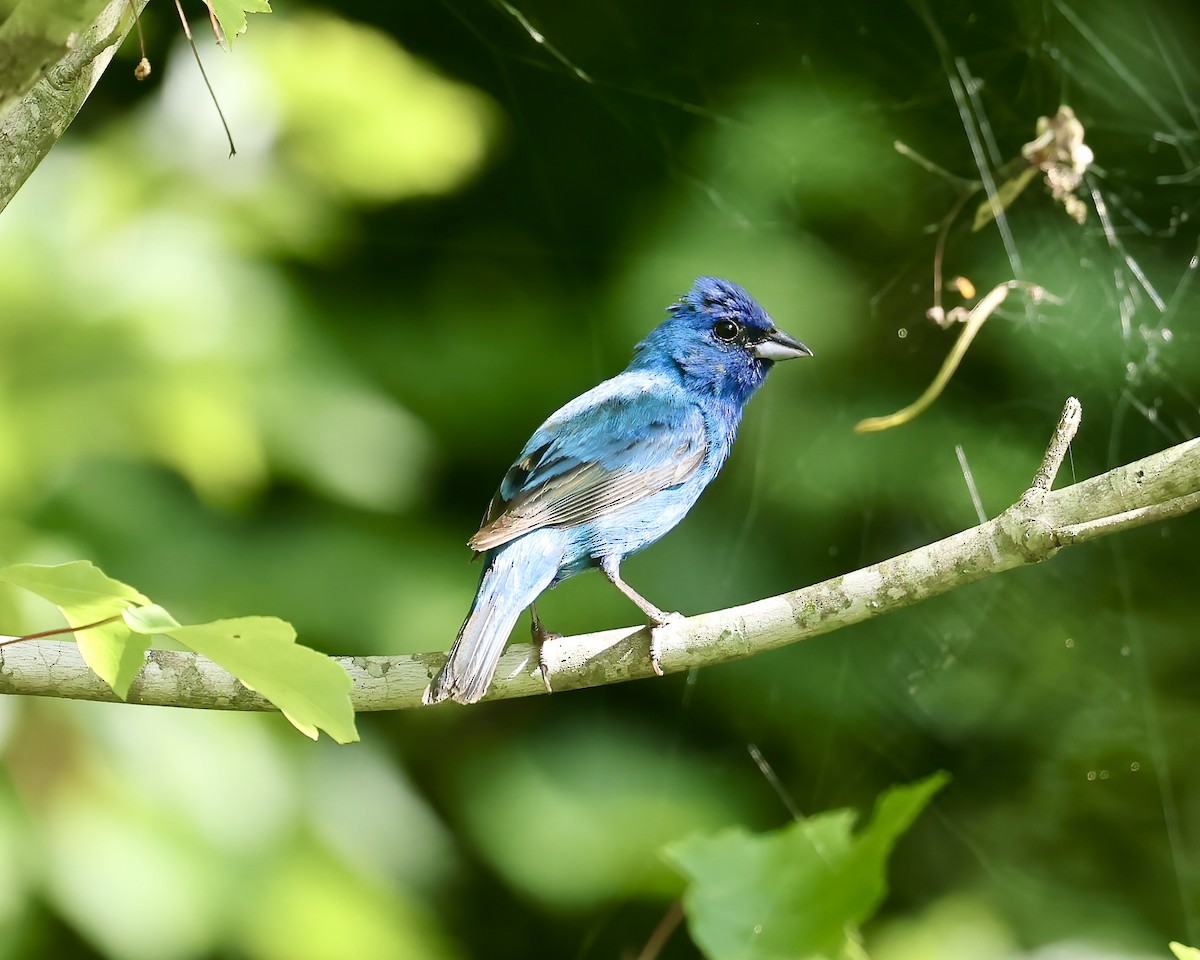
[649, 400]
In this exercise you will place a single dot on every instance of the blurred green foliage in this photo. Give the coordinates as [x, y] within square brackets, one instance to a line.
[800, 891]
[114, 626]
[287, 384]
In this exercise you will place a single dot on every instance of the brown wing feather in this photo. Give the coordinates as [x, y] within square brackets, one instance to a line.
[581, 493]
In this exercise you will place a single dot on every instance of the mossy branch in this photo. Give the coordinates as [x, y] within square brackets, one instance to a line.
[52, 52]
[1042, 522]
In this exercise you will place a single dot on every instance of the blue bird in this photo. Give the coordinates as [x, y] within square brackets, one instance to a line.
[614, 470]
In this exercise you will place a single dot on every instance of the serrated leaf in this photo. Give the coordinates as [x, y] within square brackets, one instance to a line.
[149, 619]
[85, 595]
[309, 688]
[229, 17]
[793, 892]
[1183, 952]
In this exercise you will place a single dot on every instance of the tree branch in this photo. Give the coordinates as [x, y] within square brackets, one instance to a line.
[52, 52]
[1042, 522]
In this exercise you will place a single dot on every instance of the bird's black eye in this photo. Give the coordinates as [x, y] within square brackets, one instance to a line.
[726, 330]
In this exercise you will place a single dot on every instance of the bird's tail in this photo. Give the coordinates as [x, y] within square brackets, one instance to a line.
[512, 579]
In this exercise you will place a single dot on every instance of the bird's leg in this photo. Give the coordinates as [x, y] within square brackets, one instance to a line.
[540, 636]
[611, 568]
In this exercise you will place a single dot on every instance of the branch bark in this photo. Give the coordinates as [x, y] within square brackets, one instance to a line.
[1044, 521]
[52, 53]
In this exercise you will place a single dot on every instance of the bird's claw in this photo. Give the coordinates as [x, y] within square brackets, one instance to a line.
[655, 651]
[544, 670]
[540, 636]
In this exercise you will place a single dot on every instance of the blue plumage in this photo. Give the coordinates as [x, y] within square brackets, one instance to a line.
[615, 469]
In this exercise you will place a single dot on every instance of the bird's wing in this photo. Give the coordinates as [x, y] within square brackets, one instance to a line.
[614, 446]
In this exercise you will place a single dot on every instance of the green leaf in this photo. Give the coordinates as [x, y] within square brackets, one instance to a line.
[229, 16]
[1183, 952]
[149, 619]
[310, 689]
[85, 595]
[793, 892]
[73, 584]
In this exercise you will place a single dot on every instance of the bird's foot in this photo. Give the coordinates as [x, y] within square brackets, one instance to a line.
[661, 622]
[540, 635]
[543, 666]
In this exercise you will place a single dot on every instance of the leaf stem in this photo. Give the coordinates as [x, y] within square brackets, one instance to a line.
[662, 933]
[60, 630]
[187, 32]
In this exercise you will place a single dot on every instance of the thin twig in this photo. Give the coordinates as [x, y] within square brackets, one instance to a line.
[662, 933]
[142, 70]
[137, 22]
[930, 167]
[59, 631]
[974, 322]
[1056, 452]
[187, 32]
[1091, 529]
[937, 312]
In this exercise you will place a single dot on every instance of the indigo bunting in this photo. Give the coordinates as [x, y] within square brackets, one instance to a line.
[614, 470]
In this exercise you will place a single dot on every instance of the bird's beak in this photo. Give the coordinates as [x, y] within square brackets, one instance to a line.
[779, 346]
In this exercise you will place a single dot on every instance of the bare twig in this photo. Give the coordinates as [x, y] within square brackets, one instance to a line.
[937, 312]
[662, 933]
[1091, 529]
[1056, 452]
[930, 167]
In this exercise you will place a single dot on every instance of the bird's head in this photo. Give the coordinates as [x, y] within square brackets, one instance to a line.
[720, 339]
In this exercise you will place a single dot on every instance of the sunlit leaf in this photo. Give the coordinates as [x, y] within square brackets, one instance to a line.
[308, 687]
[85, 596]
[794, 892]
[1183, 952]
[75, 584]
[149, 619]
[229, 16]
